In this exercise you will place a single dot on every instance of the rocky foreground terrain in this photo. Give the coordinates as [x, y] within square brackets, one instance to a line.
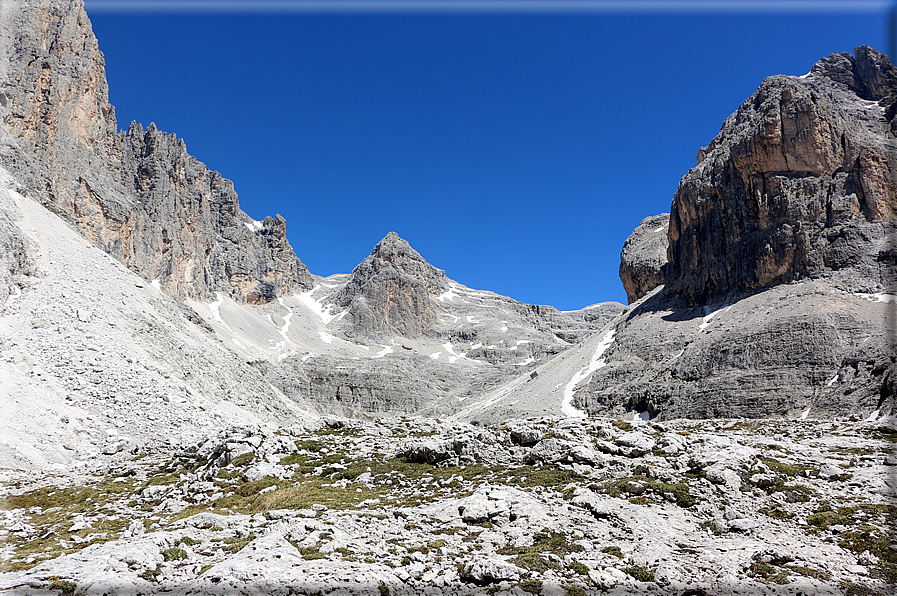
[542, 506]
[185, 408]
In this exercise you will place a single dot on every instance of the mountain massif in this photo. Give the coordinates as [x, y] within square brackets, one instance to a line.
[242, 424]
[791, 205]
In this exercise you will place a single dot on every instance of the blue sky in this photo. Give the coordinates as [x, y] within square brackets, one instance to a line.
[515, 148]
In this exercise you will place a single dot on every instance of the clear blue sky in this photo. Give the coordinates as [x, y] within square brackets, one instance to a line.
[516, 150]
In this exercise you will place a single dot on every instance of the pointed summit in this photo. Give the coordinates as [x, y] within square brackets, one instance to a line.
[390, 290]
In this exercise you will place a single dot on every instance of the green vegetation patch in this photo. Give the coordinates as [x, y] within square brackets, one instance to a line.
[533, 586]
[872, 539]
[640, 573]
[174, 554]
[769, 574]
[783, 468]
[680, 490]
[776, 513]
[613, 550]
[531, 557]
[58, 508]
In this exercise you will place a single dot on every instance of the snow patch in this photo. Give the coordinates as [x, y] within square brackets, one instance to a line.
[594, 364]
[316, 306]
[805, 414]
[215, 307]
[453, 355]
[435, 355]
[709, 315]
[880, 297]
[449, 295]
[471, 319]
[254, 226]
[326, 337]
[286, 321]
[832, 381]
[386, 350]
[476, 346]
[529, 360]
[157, 284]
[873, 416]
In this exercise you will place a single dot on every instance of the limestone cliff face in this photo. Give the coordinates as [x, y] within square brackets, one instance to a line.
[643, 256]
[137, 194]
[781, 242]
[801, 182]
[389, 291]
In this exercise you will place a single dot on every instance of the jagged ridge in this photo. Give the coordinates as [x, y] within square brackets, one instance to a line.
[138, 195]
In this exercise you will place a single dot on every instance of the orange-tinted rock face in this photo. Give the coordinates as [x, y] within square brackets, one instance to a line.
[800, 183]
[137, 194]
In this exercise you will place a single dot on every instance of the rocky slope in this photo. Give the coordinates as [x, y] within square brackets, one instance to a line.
[136, 194]
[398, 336]
[95, 362]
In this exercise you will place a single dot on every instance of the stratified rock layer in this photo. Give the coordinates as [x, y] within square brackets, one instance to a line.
[801, 182]
[137, 194]
[644, 255]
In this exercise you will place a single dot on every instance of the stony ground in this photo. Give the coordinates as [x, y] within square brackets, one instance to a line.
[409, 506]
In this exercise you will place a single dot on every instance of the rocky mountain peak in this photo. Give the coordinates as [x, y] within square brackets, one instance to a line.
[867, 72]
[138, 195]
[389, 291]
[398, 253]
[799, 184]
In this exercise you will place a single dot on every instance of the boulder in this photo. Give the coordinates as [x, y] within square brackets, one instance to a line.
[484, 570]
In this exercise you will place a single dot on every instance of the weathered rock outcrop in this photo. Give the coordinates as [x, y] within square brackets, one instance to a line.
[138, 195]
[644, 255]
[801, 182]
[389, 291]
[781, 262]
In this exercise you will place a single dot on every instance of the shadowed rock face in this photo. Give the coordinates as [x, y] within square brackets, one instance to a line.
[390, 290]
[644, 255]
[138, 195]
[801, 182]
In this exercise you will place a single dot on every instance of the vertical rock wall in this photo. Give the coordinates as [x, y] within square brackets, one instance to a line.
[137, 194]
[801, 182]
